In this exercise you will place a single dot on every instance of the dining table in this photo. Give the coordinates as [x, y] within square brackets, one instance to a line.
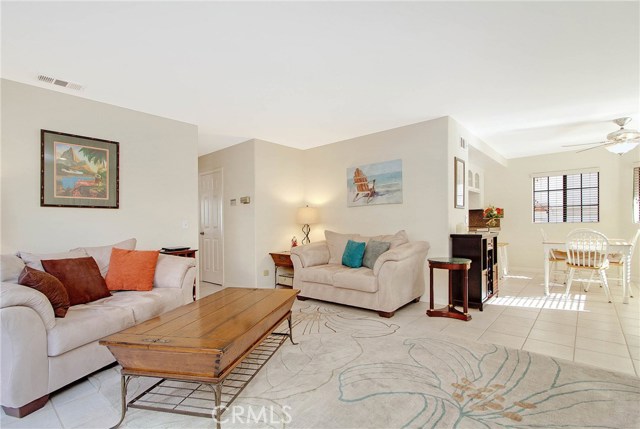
[616, 245]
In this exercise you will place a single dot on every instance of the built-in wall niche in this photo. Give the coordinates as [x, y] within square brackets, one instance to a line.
[475, 188]
[473, 181]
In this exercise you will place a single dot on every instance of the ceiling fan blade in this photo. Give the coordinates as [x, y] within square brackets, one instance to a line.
[584, 144]
[594, 147]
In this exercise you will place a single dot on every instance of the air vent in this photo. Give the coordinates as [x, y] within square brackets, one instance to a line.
[60, 82]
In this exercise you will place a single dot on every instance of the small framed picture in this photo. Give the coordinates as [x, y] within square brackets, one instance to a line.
[459, 183]
[78, 171]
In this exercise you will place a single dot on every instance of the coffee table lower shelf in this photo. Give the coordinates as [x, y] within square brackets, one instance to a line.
[198, 399]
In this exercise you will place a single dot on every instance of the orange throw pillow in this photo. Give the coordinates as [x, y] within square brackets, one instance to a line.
[132, 269]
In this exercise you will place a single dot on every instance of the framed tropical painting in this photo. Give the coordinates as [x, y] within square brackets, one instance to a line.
[78, 171]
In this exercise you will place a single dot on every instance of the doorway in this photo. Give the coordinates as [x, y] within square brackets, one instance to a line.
[211, 227]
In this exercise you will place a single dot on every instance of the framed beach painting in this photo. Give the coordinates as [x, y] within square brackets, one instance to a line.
[78, 171]
[379, 183]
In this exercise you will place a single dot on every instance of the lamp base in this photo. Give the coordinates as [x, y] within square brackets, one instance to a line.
[306, 229]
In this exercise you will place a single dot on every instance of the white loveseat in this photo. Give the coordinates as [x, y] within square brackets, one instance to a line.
[396, 279]
[41, 353]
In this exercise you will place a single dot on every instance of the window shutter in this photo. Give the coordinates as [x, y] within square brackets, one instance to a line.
[636, 194]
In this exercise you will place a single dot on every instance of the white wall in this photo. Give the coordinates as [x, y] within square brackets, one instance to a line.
[238, 177]
[511, 187]
[279, 192]
[158, 174]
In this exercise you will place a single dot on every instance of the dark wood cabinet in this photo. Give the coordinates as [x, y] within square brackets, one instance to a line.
[482, 249]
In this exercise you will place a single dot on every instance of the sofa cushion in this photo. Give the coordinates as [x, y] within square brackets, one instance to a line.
[50, 286]
[144, 305]
[86, 323]
[132, 269]
[321, 273]
[361, 279]
[395, 240]
[10, 268]
[171, 270]
[80, 276]
[373, 251]
[353, 254]
[102, 254]
[337, 243]
[33, 259]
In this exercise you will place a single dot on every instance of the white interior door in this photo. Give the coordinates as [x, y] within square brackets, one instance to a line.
[211, 260]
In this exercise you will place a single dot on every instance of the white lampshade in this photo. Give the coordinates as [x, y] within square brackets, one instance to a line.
[623, 147]
[307, 215]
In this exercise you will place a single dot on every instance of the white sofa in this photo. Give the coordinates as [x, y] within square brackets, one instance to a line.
[41, 353]
[397, 277]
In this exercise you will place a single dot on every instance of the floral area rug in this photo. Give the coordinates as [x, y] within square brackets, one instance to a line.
[354, 371]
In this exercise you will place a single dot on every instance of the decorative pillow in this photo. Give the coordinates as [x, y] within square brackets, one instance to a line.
[10, 268]
[102, 254]
[80, 277]
[48, 285]
[336, 243]
[353, 254]
[396, 239]
[373, 251]
[132, 269]
[33, 259]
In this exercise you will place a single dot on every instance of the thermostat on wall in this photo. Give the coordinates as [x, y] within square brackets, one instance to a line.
[245, 200]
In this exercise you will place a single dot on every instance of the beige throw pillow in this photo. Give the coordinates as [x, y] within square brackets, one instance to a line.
[397, 239]
[336, 243]
[102, 254]
[33, 259]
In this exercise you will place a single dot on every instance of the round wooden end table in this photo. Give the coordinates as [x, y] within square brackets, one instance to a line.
[451, 264]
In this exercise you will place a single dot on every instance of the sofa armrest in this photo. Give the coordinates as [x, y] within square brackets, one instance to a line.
[23, 352]
[15, 295]
[172, 270]
[400, 253]
[311, 254]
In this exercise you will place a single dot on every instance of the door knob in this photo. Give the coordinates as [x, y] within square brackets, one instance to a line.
[202, 233]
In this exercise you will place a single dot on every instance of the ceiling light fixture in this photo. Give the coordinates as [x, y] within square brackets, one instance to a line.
[623, 147]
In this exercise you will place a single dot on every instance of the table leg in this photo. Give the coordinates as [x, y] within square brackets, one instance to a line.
[546, 270]
[291, 330]
[217, 411]
[465, 293]
[430, 288]
[124, 383]
[450, 289]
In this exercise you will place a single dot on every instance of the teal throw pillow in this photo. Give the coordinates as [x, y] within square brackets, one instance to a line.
[373, 251]
[353, 254]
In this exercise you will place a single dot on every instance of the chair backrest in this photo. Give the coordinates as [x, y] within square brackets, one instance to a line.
[587, 248]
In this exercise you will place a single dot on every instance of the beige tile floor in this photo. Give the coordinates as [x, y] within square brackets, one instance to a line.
[583, 328]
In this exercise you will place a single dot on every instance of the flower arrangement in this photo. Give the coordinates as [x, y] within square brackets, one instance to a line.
[493, 213]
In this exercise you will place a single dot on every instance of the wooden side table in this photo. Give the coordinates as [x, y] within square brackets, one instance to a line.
[282, 260]
[186, 253]
[451, 264]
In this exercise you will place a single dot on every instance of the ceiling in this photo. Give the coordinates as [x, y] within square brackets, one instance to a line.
[525, 77]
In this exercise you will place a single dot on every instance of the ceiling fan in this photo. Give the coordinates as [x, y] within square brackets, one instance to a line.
[620, 141]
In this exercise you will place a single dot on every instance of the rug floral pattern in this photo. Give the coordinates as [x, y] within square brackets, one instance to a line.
[352, 371]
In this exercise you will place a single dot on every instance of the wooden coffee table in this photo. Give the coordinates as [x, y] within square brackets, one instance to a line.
[202, 341]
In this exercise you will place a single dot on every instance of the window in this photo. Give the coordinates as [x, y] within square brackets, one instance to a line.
[566, 198]
[636, 194]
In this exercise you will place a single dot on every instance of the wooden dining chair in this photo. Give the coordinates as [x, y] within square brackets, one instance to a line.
[556, 257]
[587, 251]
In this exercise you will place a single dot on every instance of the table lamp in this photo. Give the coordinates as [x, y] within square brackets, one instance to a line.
[305, 216]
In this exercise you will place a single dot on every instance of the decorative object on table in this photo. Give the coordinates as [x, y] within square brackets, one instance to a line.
[78, 171]
[493, 215]
[294, 241]
[379, 183]
[459, 183]
[306, 215]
